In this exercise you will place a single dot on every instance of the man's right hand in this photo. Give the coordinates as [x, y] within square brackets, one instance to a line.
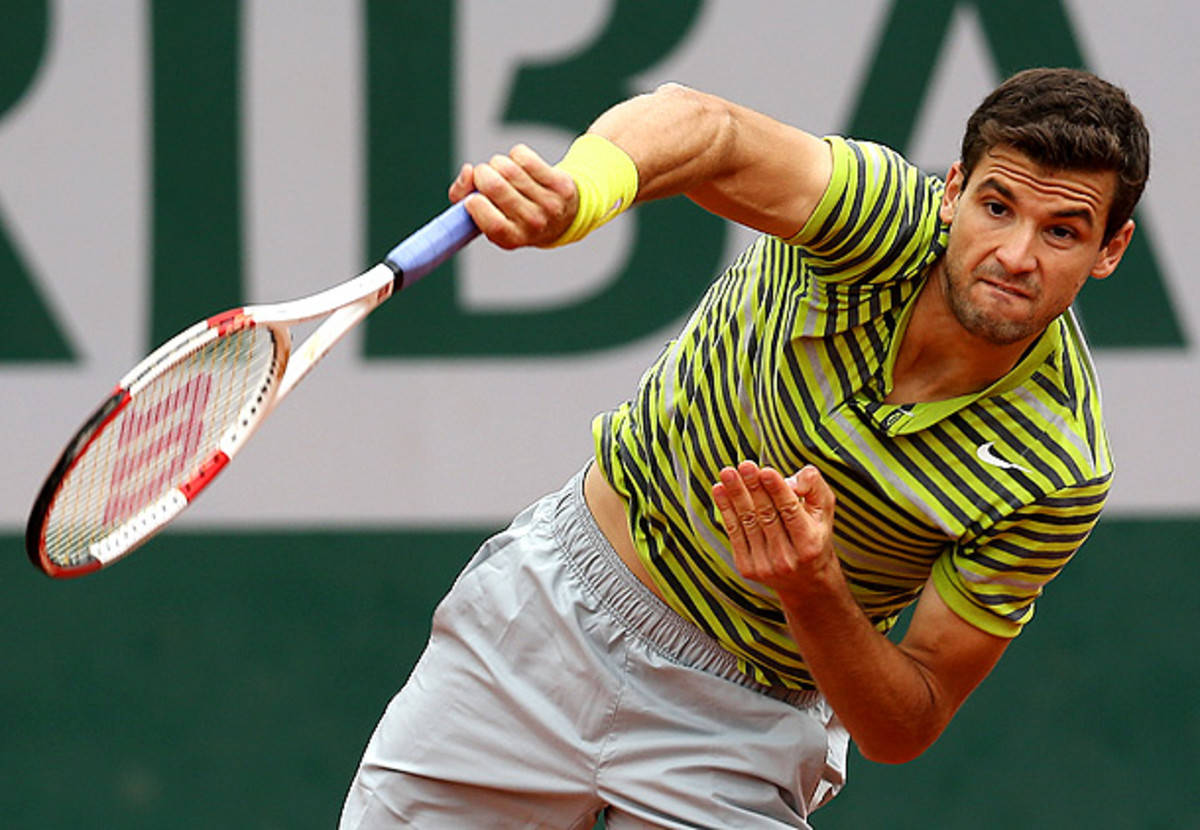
[517, 200]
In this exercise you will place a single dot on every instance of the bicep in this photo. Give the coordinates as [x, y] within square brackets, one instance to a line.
[954, 655]
[776, 180]
[731, 160]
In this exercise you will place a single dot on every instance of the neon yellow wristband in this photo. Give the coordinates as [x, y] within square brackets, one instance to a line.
[606, 180]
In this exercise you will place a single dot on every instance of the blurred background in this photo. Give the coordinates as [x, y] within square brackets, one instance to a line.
[160, 161]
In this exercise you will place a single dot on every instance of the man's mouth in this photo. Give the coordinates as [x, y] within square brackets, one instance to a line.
[1008, 288]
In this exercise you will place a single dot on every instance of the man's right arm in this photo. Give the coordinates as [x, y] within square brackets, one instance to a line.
[731, 160]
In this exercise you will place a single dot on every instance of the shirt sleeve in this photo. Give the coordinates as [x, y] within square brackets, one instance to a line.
[993, 581]
[877, 220]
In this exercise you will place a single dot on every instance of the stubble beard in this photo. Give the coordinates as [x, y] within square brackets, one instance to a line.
[976, 320]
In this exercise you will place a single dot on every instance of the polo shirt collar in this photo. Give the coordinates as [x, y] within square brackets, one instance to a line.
[904, 419]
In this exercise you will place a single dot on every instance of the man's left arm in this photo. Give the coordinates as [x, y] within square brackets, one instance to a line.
[895, 699]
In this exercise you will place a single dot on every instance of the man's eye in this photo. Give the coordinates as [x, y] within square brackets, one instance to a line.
[994, 208]
[1062, 232]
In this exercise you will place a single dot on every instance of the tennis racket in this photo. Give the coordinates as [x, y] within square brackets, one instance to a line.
[178, 417]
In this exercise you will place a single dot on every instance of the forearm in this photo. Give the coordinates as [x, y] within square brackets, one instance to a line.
[888, 701]
[895, 700]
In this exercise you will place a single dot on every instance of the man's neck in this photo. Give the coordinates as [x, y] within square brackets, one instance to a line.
[939, 359]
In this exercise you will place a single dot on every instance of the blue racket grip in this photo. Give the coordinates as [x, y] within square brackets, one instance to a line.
[431, 245]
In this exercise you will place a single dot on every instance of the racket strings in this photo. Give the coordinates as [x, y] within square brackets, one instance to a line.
[160, 440]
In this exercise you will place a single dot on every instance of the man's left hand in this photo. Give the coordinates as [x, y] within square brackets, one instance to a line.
[780, 529]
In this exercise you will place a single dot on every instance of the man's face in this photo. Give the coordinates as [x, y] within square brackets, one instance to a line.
[1023, 241]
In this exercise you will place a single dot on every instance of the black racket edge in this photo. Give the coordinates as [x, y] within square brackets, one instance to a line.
[40, 511]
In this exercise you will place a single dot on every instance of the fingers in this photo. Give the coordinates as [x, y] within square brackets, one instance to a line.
[811, 487]
[464, 184]
[761, 513]
[777, 527]
[789, 502]
[521, 200]
[760, 497]
[541, 172]
[731, 498]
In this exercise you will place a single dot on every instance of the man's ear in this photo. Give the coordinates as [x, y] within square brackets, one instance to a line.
[1110, 255]
[956, 180]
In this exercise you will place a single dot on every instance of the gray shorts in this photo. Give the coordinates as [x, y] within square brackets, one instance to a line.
[556, 687]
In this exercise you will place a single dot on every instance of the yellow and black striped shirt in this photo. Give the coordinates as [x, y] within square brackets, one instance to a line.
[787, 360]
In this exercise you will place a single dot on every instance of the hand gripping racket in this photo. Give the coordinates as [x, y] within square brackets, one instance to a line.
[176, 418]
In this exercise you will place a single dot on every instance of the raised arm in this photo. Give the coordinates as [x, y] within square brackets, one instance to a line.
[731, 160]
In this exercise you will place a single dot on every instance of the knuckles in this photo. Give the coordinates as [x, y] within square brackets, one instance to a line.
[767, 516]
[747, 521]
[790, 511]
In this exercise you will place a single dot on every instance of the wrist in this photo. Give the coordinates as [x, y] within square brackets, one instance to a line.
[823, 586]
[606, 183]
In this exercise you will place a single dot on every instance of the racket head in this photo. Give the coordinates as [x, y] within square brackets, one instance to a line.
[155, 443]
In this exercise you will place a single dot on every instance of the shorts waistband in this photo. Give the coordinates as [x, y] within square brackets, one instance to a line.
[591, 557]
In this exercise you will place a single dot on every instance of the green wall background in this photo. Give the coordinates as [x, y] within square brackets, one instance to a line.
[220, 680]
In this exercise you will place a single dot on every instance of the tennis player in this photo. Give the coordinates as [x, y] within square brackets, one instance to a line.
[884, 401]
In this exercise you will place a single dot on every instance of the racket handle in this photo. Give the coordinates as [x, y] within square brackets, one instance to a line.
[431, 245]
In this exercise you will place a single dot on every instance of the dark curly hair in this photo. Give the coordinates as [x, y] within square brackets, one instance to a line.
[1066, 119]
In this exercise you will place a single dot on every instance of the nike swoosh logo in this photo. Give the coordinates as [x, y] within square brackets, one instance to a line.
[987, 455]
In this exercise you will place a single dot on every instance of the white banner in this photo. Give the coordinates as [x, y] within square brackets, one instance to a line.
[430, 440]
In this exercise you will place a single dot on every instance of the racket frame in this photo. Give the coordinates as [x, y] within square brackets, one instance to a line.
[344, 306]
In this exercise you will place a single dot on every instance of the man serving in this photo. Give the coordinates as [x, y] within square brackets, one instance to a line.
[884, 401]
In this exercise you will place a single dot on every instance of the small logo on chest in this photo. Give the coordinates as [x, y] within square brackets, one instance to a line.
[987, 454]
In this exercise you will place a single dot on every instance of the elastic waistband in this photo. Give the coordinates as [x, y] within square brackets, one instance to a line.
[591, 557]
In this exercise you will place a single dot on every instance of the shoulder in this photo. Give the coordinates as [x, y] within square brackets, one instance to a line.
[878, 218]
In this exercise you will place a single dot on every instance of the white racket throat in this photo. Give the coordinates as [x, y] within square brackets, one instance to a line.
[353, 301]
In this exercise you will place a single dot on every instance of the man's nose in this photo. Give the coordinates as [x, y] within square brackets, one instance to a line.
[1016, 252]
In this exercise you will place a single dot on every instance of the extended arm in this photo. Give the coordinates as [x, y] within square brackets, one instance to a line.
[895, 699]
[733, 161]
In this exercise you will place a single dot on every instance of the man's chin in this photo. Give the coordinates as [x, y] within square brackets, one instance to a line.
[997, 331]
